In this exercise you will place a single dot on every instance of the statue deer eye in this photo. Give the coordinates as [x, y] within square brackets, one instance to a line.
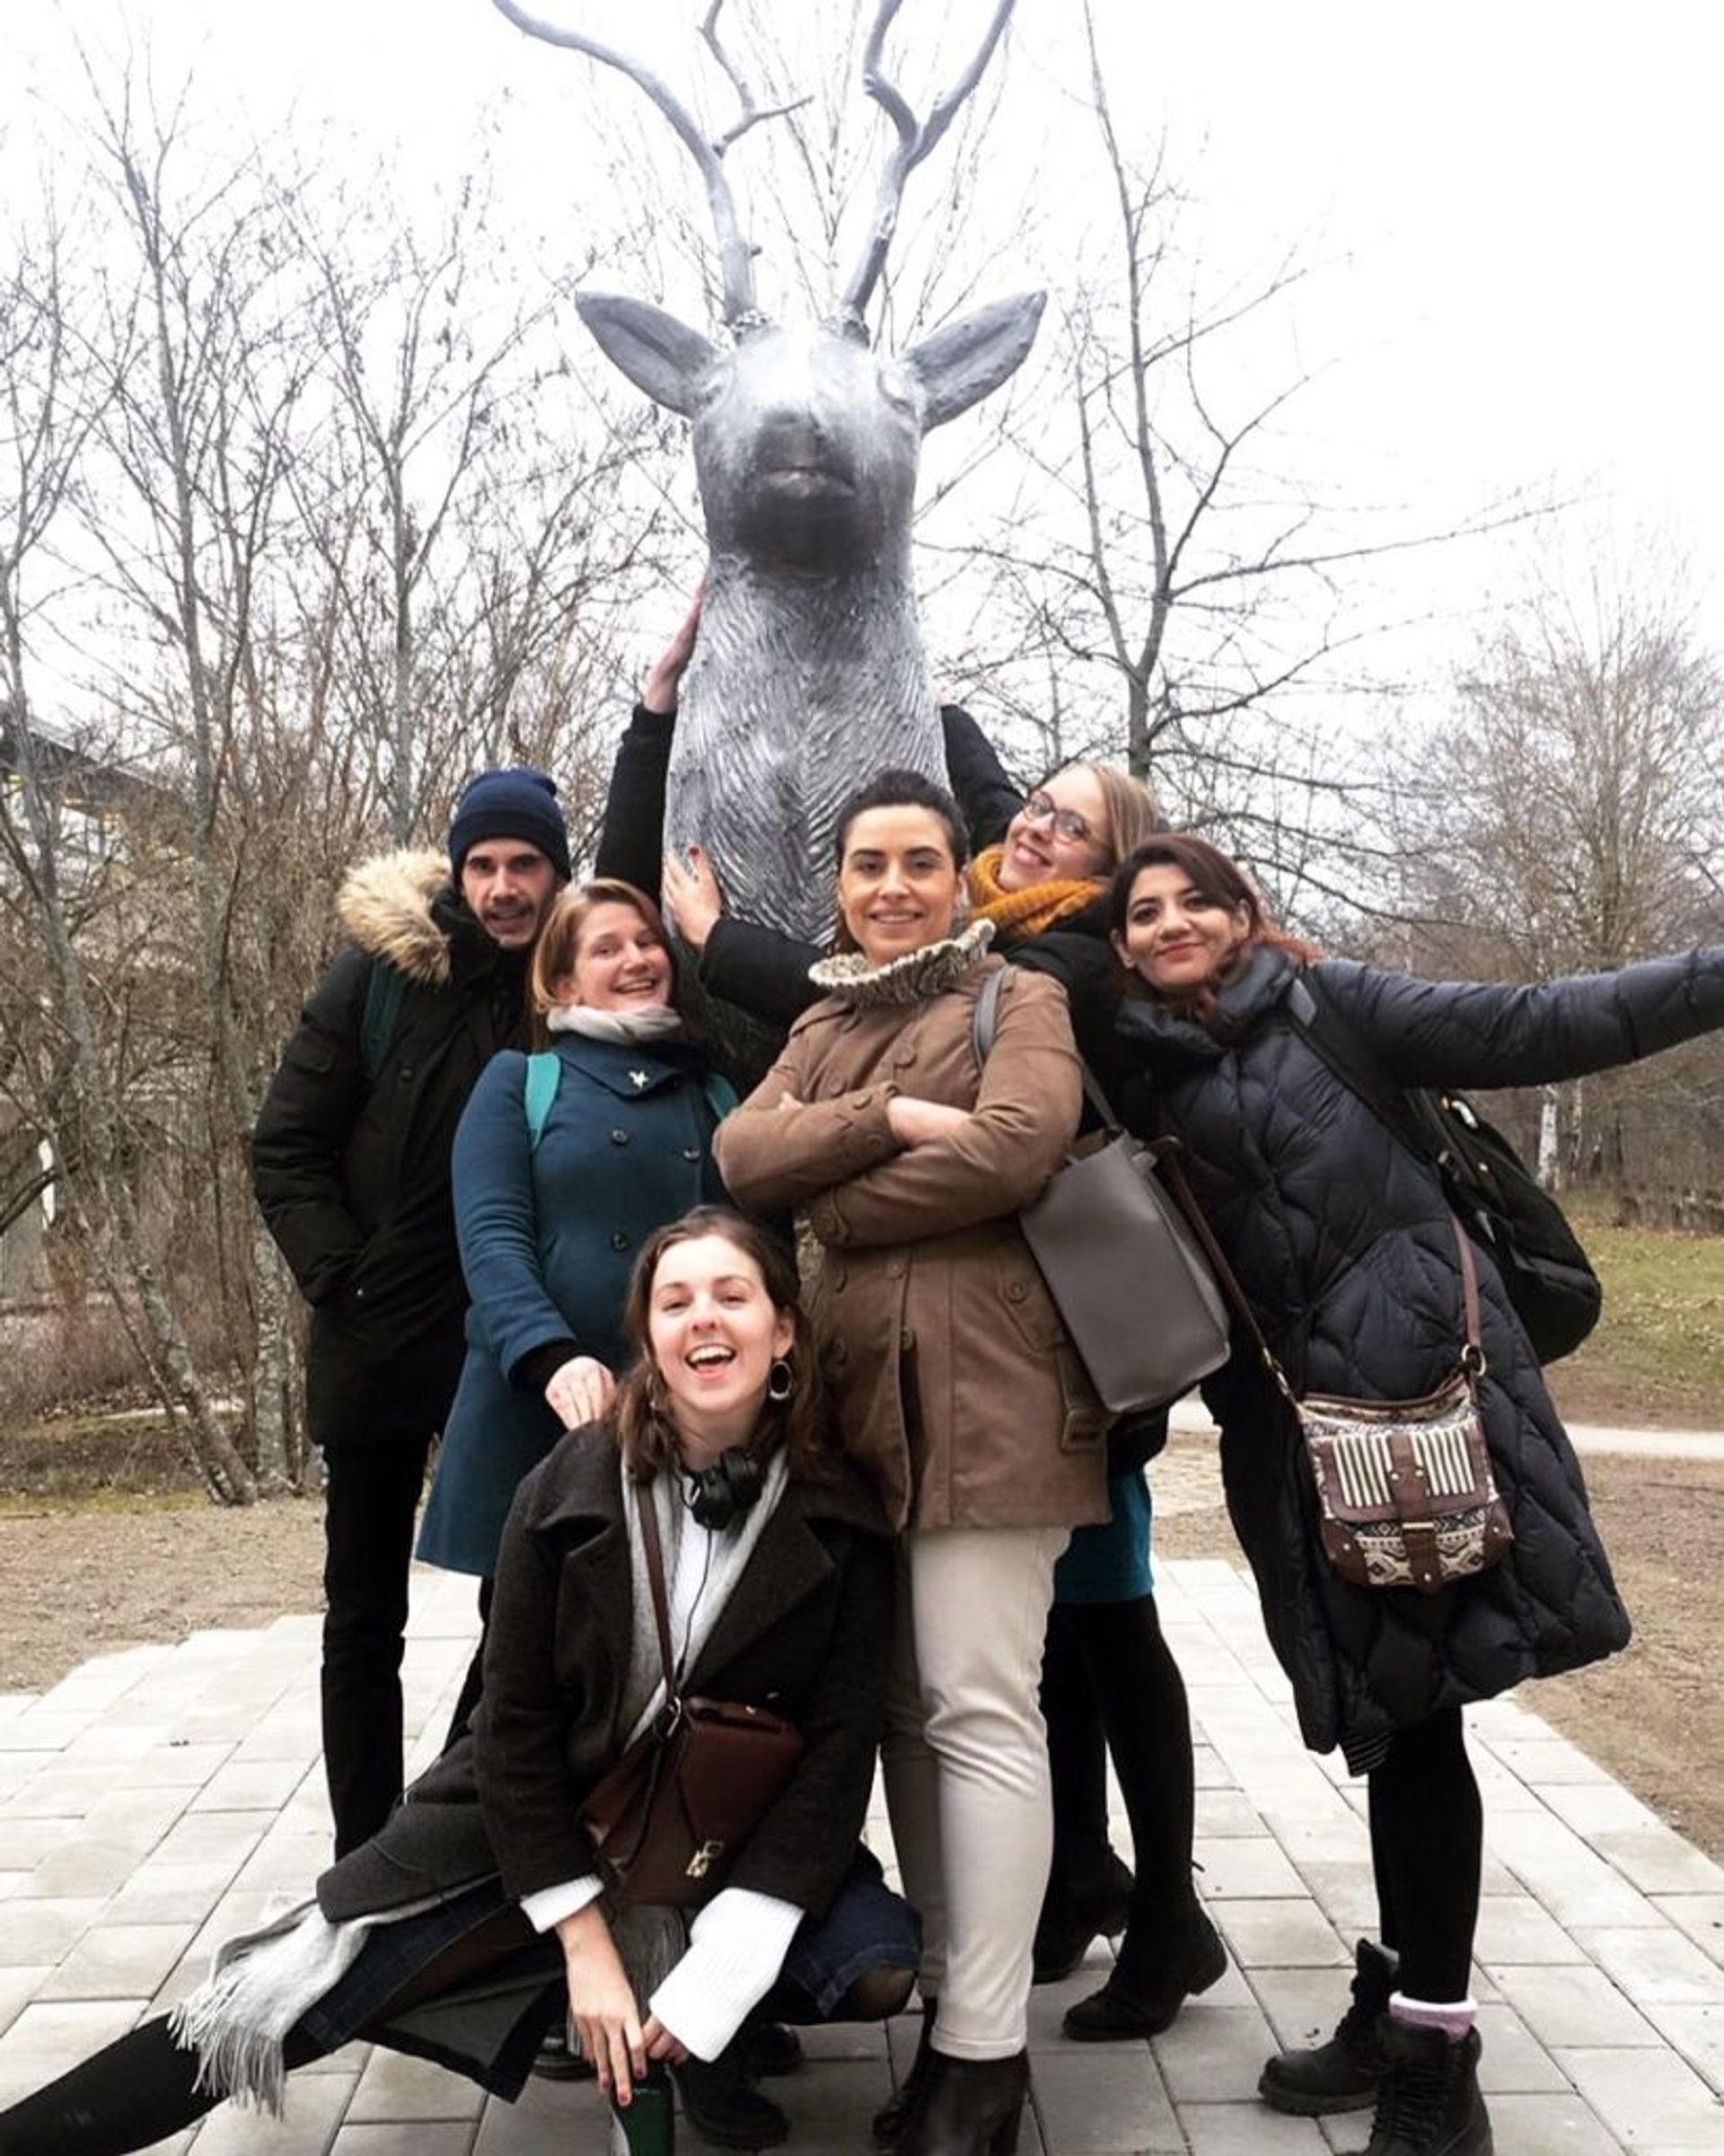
[898, 390]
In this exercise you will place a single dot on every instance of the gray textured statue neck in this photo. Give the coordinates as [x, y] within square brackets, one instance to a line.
[796, 696]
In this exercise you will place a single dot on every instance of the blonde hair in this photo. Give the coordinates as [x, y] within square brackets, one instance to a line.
[1133, 813]
[558, 947]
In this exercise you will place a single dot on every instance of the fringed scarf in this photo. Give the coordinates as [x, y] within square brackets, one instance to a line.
[1018, 915]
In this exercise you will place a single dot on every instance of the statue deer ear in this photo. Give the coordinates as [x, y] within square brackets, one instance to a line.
[659, 355]
[966, 360]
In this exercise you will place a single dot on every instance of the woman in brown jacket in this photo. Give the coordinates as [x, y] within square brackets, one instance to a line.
[958, 1391]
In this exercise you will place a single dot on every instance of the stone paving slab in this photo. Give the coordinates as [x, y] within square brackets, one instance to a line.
[156, 1800]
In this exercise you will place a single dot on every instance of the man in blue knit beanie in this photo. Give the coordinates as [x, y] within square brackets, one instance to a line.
[351, 1166]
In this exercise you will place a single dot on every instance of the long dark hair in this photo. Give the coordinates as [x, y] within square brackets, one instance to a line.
[1221, 879]
[801, 1423]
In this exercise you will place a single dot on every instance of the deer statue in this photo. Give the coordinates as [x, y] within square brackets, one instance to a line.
[809, 674]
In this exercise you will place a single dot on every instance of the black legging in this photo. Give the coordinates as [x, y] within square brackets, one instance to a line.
[1427, 1848]
[1109, 1672]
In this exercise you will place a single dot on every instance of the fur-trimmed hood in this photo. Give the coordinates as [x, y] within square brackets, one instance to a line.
[384, 904]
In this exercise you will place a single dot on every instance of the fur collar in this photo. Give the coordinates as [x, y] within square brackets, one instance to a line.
[384, 904]
[849, 977]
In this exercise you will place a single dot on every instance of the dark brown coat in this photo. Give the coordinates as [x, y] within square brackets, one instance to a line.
[808, 1630]
[959, 1391]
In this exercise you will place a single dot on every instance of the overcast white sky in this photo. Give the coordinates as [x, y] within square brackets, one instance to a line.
[1520, 198]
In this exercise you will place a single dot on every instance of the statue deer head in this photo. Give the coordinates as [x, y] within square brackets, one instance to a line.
[809, 675]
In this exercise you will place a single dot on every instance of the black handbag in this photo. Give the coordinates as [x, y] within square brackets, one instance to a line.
[674, 1812]
[1127, 1275]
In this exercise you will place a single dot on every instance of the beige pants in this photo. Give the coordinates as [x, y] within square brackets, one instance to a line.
[965, 1759]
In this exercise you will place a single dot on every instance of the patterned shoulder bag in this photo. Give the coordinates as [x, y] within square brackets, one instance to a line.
[1405, 1487]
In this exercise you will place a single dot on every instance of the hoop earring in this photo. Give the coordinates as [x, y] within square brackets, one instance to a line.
[780, 1380]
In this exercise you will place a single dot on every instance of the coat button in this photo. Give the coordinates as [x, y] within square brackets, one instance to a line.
[619, 1241]
[690, 1152]
[618, 1138]
[896, 1269]
[906, 1340]
[1017, 1290]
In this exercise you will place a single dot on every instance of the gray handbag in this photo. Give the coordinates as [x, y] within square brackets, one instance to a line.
[1128, 1276]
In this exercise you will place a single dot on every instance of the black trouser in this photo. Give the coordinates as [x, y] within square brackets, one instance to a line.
[1109, 1673]
[143, 2088]
[375, 1423]
[1427, 1850]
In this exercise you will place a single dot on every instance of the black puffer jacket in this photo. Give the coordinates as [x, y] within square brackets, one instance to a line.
[1342, 1242]
[351, 1166]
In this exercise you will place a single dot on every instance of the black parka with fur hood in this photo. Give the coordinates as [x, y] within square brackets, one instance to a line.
[351, 1166]
[1343, 1244]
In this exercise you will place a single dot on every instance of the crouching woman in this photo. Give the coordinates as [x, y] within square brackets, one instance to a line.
[450, 1934]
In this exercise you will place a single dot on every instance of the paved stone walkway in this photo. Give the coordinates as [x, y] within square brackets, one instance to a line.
[157, 1799]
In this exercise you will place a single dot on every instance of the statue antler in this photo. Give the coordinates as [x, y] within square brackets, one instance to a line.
[915, 140]
[736, 250]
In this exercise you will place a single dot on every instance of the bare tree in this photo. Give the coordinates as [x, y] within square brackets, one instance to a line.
[1563, 815]
[1154, 587]
[52, 403]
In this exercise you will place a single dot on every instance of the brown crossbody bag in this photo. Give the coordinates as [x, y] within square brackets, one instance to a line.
[673, 1813]
[1405, 1490]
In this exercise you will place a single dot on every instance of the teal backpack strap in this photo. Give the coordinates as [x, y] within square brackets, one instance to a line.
[539, 1095]
[721, 1095]
[384, 992]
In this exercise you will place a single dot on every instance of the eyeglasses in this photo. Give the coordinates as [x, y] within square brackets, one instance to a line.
[1067, 822]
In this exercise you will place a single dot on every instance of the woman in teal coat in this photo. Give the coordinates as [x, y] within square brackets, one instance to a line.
[564, 1163]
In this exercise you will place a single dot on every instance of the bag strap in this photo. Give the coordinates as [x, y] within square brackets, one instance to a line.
[539, 1093]
[1472, 1352]
[982, 1039]
[386, 993]
[1331, 1036]
[647, 1513]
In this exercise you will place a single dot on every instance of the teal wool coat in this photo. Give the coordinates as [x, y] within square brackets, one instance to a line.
[548, 1234]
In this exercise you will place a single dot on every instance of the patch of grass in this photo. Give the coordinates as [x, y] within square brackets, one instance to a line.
[1658, 1357]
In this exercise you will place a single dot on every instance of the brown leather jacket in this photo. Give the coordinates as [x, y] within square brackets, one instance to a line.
[958, 1389]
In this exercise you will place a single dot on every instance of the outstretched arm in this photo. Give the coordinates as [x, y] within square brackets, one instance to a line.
[983, 788]
[632, 835]
[760, 969]
[1480, 1034]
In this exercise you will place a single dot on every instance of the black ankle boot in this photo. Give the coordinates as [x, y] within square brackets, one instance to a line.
[1342, 2074]
[1066, 1926]
[1428, 2103]
[724, 2107]
[967, 2106]
[1141, 1998]
[889, 2120]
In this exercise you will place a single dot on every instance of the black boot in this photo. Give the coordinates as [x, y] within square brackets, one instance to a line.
[967, 2106]
[1065, 1928]
[1342, 2074]
[1428, 2103]
[724, 2107]
[1142, 1996]
[889, 2119]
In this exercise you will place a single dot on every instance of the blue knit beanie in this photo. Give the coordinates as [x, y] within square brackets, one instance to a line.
[518, 803]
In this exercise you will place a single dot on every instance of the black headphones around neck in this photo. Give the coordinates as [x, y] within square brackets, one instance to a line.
[722, 1493]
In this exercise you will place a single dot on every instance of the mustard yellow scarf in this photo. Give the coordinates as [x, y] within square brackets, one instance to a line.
[1018, 915]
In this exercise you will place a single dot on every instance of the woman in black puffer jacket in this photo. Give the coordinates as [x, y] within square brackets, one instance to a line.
[1344, 1246]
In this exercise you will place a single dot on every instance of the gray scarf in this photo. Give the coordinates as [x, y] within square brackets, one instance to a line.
[633, 1028]
[701, 1568]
